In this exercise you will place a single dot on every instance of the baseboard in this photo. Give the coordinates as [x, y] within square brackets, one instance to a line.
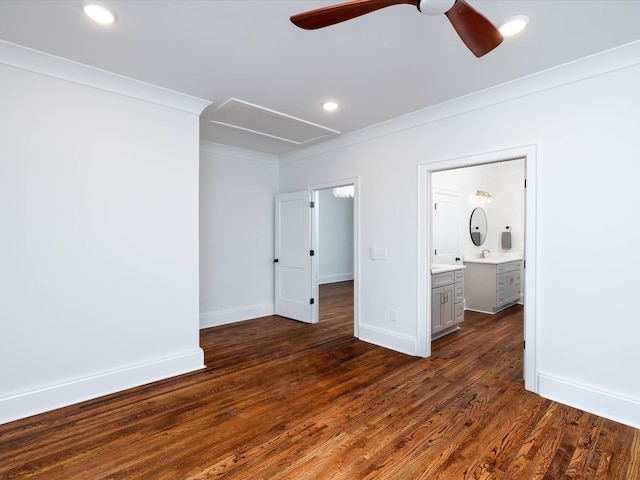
[64, 394]
[224, 317]
[607, 405]
[387, 339]
[335, 278]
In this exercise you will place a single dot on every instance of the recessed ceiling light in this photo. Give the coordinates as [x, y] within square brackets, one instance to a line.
[330, 106]
[514, 25]
[98, 13]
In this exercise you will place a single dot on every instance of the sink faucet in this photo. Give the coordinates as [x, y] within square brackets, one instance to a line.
[484, 253]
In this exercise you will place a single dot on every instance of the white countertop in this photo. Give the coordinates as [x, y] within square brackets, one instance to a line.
[491, 259]
[441, 267]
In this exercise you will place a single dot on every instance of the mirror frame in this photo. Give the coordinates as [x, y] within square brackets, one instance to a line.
[483, 234]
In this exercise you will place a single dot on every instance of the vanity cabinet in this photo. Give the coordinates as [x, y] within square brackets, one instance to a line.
[447, 302]
[492, 287]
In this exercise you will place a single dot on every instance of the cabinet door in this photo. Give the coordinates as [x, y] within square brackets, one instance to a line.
[448, 317]
[510, 287]
[437, 298]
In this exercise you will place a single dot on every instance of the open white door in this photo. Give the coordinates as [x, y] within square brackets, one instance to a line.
[293, 256]
[446, 219]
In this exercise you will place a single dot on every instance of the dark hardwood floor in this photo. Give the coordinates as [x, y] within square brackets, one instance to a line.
[284, 400]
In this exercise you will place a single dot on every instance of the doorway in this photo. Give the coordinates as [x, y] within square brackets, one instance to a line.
[426, 241]
[298, 246]
[335, 227]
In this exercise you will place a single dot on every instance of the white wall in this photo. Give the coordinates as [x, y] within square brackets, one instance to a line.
[586, 134]
[236, 234]
[99, 237]
[335, 249]
[505, 182]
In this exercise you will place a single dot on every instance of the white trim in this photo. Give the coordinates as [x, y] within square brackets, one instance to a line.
[615, 407]
[68, 393]
[423, 321]
[387, 339]
[604, 62]
[236, 152]
[335, 278]
[313, 190]
[233, 315]
[25, 58]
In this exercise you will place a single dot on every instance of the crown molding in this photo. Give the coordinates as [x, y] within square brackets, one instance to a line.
[25, 58]
[237, 152]
[604, 62]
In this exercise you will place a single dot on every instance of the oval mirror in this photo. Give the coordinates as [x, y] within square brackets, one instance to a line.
[478, 226]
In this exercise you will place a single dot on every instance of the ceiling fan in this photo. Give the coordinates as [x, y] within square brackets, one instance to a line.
[477, 33]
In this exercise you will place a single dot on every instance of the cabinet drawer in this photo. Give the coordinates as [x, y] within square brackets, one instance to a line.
[439, 279]
[459, 313]
[459, 275]
[509, 266]
[501, 298]
[458, 292]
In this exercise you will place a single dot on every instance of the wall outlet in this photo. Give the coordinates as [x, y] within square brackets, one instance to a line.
[393, 315]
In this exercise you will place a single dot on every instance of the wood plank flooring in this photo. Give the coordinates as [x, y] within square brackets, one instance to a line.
[284, 400]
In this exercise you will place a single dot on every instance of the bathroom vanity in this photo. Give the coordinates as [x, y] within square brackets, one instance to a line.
[493, 284]
[447, 299]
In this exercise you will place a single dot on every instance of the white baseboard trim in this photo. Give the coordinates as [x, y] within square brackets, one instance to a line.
[605, 404]
[387, 339]
[224, 317]
[64, 394]
[335, 278]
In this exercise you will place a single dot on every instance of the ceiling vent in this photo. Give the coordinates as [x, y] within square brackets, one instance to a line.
[251, 118]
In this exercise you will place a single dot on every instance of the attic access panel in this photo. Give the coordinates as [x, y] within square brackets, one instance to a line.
[252, 118]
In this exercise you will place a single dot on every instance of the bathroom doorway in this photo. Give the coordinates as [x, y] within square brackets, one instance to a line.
[499, 168]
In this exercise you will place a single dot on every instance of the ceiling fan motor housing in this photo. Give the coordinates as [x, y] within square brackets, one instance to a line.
[434, 7]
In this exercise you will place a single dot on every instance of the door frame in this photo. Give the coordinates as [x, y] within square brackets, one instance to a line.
[313, 192]
[529, 153]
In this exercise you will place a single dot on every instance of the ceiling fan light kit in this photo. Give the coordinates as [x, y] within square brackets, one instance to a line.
[477, 33]
[434, 7]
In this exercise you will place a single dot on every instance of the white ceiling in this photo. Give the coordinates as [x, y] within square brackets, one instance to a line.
[378, 67]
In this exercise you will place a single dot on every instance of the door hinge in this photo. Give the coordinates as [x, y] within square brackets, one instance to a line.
[312, 301]
[275, 260]
[435, 206]
[524, 345]
[312, 204]
[525, 183]
[435, 252]
[312, 253]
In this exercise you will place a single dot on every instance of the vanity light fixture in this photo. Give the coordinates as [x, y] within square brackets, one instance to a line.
[514, 25]
[98, 13]
[484, 196]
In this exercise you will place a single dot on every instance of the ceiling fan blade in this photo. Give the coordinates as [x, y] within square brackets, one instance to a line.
[325, 16]
[477, 33]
